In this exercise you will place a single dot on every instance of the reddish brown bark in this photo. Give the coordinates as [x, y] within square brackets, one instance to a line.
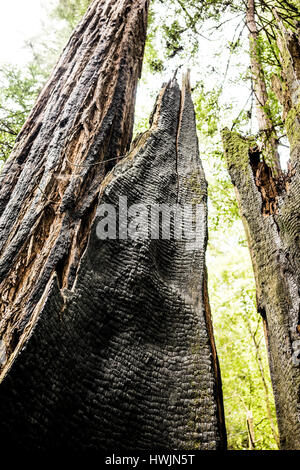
[269, 142]
[80, 126]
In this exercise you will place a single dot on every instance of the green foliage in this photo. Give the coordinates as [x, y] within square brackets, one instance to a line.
[223, 207]
[208, 109]
[245, 375]
[71, 11]
[18, 91]
[152, 62]
[172, 35]
[19, 88]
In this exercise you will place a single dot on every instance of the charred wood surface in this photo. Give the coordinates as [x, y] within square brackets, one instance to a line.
[126, 358]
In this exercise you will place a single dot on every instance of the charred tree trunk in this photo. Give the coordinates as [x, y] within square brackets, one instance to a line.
[106, 344]
[269, 206]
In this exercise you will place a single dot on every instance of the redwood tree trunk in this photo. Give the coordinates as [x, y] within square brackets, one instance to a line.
[49, 187]
[269, 206]
[108, 344]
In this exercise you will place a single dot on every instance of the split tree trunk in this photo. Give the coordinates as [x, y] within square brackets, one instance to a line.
[269, 206]
[109, 343]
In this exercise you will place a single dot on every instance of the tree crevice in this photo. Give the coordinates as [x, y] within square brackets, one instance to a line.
[270, 186]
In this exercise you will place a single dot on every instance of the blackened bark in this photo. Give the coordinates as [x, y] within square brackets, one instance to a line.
[269, 206]
[126, 358]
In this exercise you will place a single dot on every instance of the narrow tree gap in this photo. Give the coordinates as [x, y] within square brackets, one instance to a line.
[234, 353]
[217, 370]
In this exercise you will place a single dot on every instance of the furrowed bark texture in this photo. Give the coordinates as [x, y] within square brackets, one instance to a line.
[269, 208]
[126, 358]
[49, 188]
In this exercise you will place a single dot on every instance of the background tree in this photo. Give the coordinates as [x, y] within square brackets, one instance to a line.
[134, 366]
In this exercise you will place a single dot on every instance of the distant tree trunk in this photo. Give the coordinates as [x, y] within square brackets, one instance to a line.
[265, 122]
[106, 344]
[269, 206]
[250, 429]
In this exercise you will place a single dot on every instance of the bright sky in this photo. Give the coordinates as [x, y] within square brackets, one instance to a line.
[20, 20]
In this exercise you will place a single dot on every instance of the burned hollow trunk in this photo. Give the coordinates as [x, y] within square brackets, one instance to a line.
[269, 206]
[106, 343]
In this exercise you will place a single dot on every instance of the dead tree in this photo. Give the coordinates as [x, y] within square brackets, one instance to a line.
[106, 344]
[269, 206]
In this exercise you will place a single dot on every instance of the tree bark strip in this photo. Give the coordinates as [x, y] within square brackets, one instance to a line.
[49, 187]
[269, 206]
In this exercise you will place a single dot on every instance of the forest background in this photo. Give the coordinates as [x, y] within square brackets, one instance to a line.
[210, 38]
